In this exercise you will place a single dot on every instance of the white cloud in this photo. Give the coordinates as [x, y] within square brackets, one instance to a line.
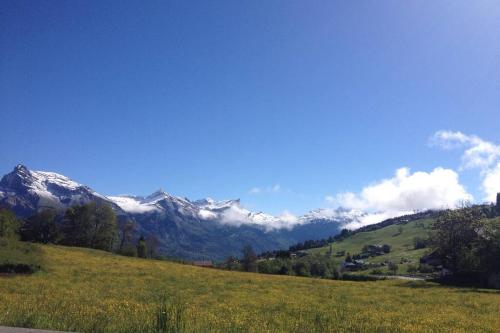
[269, 189]
[276, 188]
[491, 183]
[206, 214]
[288, 218]
[406, 192]
[236, 215]
[330, 199]
[478, 153]
[255, 190]
[372, 219]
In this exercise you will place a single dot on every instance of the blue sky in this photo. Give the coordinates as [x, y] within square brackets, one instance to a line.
[299, 101]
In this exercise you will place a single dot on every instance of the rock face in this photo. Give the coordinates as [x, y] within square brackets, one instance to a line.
[202, 229]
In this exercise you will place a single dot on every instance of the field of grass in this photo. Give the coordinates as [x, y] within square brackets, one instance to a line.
[92, 291]
[401, 243]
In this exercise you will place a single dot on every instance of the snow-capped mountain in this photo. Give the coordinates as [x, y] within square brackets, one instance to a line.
[155, 202]
[185, 228]
[27, 191]
[341, 215]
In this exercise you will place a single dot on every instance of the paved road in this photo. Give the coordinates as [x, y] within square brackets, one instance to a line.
[23, 330]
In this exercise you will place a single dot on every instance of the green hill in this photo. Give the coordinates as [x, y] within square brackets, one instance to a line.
[399, 236]
[93, 291]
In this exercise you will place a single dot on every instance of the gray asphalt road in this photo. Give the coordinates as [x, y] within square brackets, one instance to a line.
[23, 330]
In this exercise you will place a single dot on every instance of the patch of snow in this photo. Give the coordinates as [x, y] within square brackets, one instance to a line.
[42, 178]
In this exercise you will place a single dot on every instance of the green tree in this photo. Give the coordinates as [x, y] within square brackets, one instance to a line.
[249, 260]
[127, 231]
[488, 251]
[456, 236]
[41, 227]
[9, 224]
[90, 225]
[302, 269]
[142, 249]
[152, 245]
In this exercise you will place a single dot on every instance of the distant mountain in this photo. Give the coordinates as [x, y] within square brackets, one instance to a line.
[26, 191]
[187, 229]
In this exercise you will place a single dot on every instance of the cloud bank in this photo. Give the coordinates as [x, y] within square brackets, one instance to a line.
[236, 215]
[405, 193]
[408, 191]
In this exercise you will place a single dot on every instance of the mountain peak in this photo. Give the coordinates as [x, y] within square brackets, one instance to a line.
[21, 168]
[157, 195]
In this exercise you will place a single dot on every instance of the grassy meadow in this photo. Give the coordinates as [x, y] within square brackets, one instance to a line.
[93, 291]
[400, 240]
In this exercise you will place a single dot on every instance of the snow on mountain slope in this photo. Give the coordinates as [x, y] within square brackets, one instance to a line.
[339, 214]
[134, 205]
[31, 190]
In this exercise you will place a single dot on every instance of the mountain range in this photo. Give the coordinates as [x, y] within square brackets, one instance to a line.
[199, 229]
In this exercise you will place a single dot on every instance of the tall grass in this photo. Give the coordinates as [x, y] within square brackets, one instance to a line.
[170, 316]
[85, 290]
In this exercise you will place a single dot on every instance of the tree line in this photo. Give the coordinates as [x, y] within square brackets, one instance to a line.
[90, 225]
[306, 245]
[308, 266]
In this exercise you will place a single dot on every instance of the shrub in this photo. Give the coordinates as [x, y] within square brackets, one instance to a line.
[301, 269]
[18, 268]
[393, 267]
[128, 250]
[424, 268]
[419, 243]
[412, 269]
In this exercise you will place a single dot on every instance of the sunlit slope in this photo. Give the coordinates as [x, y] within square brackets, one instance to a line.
[400, 237]
[93, 291]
